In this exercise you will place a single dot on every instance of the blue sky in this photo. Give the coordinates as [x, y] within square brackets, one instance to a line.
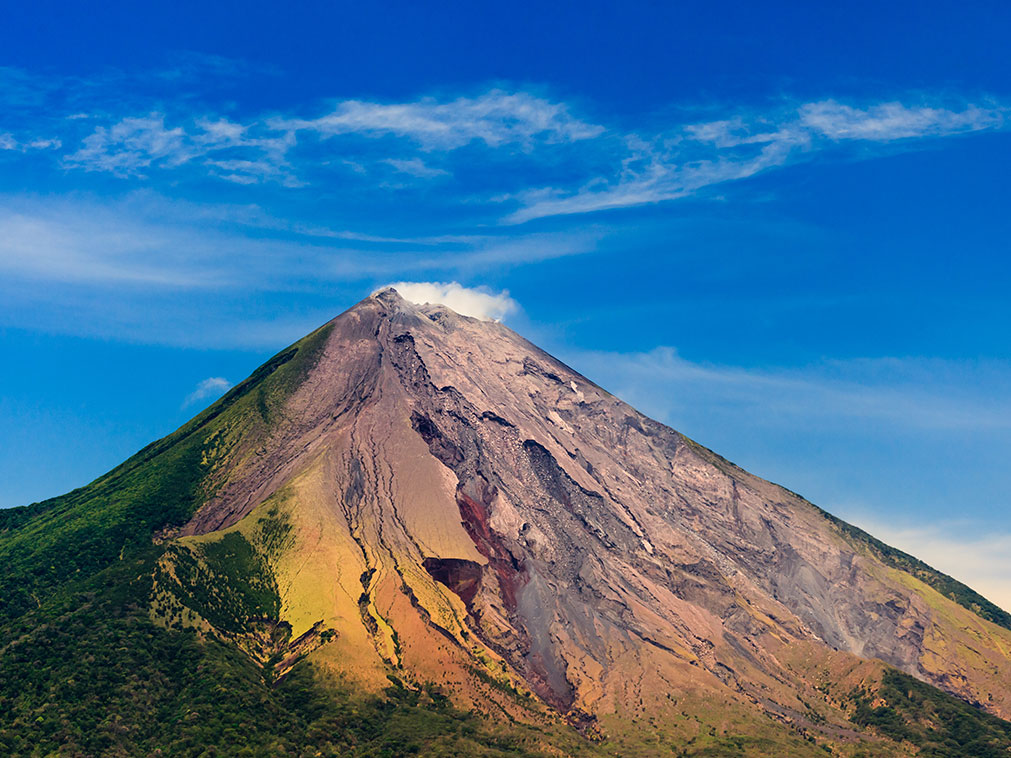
[781, 229]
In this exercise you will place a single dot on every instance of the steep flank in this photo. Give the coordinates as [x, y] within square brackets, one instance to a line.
[946, 585]
[71, 537]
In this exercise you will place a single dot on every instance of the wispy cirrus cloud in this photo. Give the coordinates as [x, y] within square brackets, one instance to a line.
[148, 241]
[515, 155]
[9, 142]
[133, 146]
[887, 122]
[496, 118]
[87, 245]
[416, 167]
[913, 393]
[261, 149]
[683, 161]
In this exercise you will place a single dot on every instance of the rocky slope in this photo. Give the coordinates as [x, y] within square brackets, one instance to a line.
[417, 494]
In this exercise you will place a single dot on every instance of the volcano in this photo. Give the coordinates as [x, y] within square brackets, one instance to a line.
[425, 515]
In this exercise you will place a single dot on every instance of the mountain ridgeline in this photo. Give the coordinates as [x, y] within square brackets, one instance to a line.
[415, 533]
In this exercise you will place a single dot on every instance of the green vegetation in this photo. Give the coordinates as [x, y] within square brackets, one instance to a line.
[89, 674]
[273, 533]
[732, 747]
[947, 586]
[226, 582]
[72, 537]
[939, 725]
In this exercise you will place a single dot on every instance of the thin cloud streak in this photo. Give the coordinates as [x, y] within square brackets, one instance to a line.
[9, 142]
[416, 167]
[96, 248]
[909, 393]
[495, 118]
[682, 162]
[110, 253]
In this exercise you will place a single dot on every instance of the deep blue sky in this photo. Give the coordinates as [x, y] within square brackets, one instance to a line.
[781, 228]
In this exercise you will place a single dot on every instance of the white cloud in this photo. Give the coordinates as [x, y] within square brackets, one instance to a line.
[147, 242]
[71, 244]
[221, 132]
[8, 142]
[247, 153]
[108, 245]
[894, 121]
[912, 393]
[579, 166]
[42, 143]
[495, 118]
[478, 302]
[682, 161]
[133, 145]
[130, 145]
[604, 168]
[981, 562]
[416, 167]
[210, 387]
[479, 252]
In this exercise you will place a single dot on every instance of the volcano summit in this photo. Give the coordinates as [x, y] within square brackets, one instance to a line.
[415, 532]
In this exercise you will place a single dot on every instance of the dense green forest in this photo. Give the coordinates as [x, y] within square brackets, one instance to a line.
[89, 674]
[939, 725]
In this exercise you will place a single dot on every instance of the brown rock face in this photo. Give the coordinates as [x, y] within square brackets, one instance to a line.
[458, 495]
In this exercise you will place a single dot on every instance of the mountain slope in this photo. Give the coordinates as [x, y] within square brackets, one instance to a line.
[411, 493]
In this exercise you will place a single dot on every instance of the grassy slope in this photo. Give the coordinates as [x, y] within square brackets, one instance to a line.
[72, 537]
